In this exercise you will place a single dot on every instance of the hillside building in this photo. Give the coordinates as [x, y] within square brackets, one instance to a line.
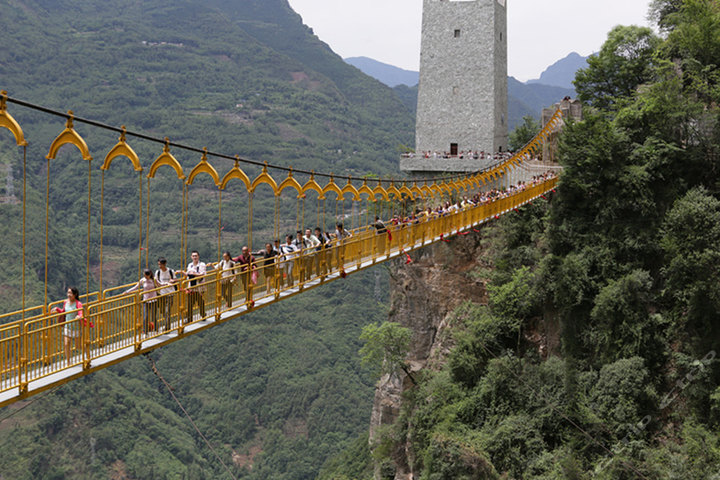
[462, 94]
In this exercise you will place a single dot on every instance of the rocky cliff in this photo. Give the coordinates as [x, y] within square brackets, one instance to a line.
[424, 294]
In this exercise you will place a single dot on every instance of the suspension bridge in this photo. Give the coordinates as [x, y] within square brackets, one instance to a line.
[114, 324]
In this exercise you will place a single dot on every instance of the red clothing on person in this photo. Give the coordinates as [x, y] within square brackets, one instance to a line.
[244, 262]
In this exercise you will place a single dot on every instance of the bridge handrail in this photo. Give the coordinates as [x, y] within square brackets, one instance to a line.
[34, 349]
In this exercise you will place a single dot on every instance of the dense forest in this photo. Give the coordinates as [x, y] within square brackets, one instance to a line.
[620, 263]
[596, 353]
[275, 393]
[243, 77]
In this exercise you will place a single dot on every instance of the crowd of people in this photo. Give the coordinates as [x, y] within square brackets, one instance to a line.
[470, 154]
[488, 196]
[299, 258]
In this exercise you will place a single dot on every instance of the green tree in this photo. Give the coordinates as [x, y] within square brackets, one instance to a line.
[661, 11]
[623, 63]
[386, 348]
[693, 44]
[523, 133]
[691, 241]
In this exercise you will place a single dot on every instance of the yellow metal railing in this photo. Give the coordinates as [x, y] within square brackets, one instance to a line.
[34, 349]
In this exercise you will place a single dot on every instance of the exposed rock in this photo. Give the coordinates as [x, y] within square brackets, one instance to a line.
[424, 295]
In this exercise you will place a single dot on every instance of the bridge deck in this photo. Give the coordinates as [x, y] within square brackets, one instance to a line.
[31, 350]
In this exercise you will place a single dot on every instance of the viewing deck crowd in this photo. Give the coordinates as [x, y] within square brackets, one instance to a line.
[471, 155]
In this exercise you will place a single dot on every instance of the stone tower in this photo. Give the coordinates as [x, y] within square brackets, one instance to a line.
[462, 95]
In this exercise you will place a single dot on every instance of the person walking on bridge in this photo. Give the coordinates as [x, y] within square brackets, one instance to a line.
[246, 262]
[289, 252]
[195, 272]
[311, 257]
[165, 276]
[149, 286]
[340, 236]
[227, 265]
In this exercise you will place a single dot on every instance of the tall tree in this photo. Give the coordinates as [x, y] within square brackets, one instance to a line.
[623, 63]
[386, 348]
[523, 133]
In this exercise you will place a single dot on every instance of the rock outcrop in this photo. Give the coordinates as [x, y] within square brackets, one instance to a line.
[424, 294]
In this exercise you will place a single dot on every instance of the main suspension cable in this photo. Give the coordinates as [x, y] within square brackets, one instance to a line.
[190, 148]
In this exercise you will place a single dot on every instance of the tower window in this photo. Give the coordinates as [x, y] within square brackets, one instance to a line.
[457, 33]
[453, 149]
[501, 36]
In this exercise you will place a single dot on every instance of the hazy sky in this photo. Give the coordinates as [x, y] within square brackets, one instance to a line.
[540, 32]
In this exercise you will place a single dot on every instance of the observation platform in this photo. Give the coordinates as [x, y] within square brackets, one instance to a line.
[419, 164]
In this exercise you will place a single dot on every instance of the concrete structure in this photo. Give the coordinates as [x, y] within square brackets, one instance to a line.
[462, 94]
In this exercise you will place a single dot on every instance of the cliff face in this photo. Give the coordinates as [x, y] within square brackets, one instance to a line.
[424, 293]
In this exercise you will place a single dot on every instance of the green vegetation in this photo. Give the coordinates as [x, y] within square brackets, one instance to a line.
[276, 392]
[242, 77]
[386, 347]
[596, 356]
[523, 133]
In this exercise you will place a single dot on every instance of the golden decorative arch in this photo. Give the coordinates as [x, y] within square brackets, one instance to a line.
[264, 178]
[69, 135]
[405, 190]
[427, 191]
[365, 189]
[379, 190]
[166, 158]
[236, 173]
[311, 184]
[416, 192]
[392, 190]
[290, 182]
[203, 167]
[7, 121]
[350, 188]
[122, 149]
[332, 187]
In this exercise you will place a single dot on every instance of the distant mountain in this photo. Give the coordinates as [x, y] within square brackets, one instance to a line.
[523, 98]
[530, 99]
[390, 75]
[408, 96]
[562, 72]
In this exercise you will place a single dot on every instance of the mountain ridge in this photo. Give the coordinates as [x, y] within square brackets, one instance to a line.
[523, 98]
[562, 72]
[390, 75]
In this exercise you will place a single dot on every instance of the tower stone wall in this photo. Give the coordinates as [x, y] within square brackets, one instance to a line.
[462, 94]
